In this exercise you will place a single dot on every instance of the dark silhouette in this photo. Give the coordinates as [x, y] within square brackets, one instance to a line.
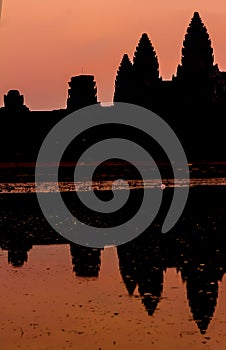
[139, 83]
[197, 53]
[14, 102]
[86, 261]
[82, 92]
[127, 255]
[18, 250]
[146, 74]
[199, 96]
[202, 291]
[145, 62]
[196, 247]
[24, 131]
[140, 264]
[22, 226]
[124, 82]
[193, 103]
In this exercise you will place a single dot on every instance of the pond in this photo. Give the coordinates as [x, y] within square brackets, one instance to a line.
[158, 291]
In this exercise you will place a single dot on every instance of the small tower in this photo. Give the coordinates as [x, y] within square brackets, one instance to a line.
[14, 102]
[82, 92]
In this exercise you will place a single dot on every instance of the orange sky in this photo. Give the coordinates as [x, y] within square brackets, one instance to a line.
[45, 42]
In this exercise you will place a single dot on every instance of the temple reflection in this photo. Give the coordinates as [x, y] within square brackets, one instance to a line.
[86, 261]
[196, 247]
[140, 264]
[17, 247]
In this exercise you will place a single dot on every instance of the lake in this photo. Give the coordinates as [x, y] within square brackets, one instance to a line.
[159, 291]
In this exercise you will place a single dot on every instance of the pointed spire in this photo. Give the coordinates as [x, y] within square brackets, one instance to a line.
[202, 295]
[130, 283]
[150, 286]
[123, 80]
[197, 53]
[128, 266]
[145, 61]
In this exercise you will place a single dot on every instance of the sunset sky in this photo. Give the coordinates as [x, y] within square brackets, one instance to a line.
[45, 42]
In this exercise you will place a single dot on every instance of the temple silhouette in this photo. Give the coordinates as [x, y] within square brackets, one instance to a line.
[193, 102]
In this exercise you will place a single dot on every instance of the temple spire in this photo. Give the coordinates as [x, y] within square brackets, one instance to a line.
[197, 53]
[145, 61]
[123, 81]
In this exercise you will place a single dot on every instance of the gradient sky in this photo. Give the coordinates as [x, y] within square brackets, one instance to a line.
[45, 42]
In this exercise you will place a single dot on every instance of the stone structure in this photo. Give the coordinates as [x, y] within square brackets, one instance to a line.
[193, 102]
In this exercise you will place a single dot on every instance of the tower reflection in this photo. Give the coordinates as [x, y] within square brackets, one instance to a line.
[196, 247]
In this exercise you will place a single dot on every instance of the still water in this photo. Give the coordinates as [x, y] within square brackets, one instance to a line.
[159, 291]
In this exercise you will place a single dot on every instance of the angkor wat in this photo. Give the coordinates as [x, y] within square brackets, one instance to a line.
[193, 102]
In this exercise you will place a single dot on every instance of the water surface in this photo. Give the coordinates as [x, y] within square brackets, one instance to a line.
[160, 291]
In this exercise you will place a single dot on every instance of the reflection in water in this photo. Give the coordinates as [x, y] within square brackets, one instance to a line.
[85, 260]
[196, 247]
[199, 259]
[17, 247]
[202, 267]
[202, 293]
[140, 264]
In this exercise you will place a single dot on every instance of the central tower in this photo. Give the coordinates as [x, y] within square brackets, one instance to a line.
[82, 92]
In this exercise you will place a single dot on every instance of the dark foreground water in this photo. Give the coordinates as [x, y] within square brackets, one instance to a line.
[160, 291]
